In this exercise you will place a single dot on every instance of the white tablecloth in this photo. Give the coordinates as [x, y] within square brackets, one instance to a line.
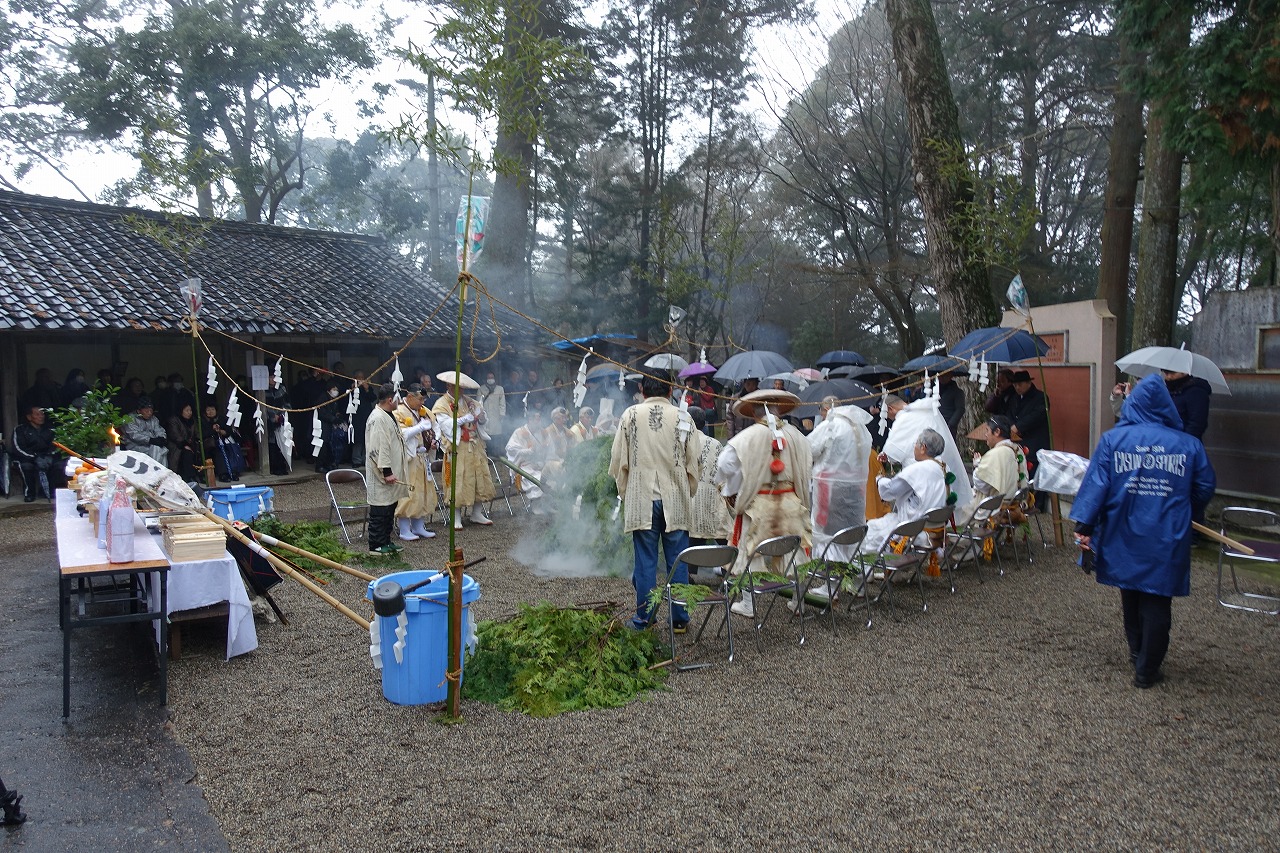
[191, 584]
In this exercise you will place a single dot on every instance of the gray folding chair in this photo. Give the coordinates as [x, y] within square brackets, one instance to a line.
[702, 557]
[937, 518]
[829, 577]
[501, 487]
[969, 539]
[1266, 553]
[888, 564]
[434, 467]
[775, 550]
[1007, 525]
[345, 502]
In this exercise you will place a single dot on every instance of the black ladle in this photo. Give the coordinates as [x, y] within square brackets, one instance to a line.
[388, 596]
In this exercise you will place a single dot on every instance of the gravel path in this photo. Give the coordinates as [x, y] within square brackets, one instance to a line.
[1002, 718]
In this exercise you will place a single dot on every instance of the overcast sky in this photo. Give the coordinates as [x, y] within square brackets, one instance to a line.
[786, 57]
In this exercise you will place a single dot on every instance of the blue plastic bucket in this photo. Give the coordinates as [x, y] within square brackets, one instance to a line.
[418, 678]
[241, 504]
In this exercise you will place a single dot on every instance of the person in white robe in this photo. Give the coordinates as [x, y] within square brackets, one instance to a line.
[765, 502]
[918, 488]
[527, 450]
[711, 522]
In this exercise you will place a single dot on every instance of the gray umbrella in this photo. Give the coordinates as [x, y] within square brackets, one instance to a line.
[753, 364]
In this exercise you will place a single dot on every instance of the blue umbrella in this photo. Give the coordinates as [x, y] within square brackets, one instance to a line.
[998, 344]
[933, 364]
[840, 358]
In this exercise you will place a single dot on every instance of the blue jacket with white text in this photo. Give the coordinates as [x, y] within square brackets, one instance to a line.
[1144, 481]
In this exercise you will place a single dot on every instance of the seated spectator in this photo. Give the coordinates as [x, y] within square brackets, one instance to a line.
[1002, 469]
[222, 445]
[145, 434]
[127, 400]
[44, 392]
[38, 459]
[184, 459]
[74, 389]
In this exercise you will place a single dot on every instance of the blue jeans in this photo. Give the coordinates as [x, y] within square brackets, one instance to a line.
[644, 577]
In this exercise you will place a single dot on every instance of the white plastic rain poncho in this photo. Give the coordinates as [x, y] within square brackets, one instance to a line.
[841, 447]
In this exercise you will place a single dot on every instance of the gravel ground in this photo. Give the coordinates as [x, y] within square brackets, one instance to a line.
[1002, 718]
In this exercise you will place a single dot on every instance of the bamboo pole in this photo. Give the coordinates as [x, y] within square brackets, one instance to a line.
[1225, 540]
[276, 562]
[272, 542]
[282, 566]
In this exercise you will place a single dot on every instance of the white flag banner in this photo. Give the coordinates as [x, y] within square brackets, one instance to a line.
[1017, 295]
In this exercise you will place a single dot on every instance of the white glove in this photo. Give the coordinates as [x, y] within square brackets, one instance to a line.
[417, 429]
[466, 419]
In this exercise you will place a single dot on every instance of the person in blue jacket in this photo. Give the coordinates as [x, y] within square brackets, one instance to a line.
[1145, 480]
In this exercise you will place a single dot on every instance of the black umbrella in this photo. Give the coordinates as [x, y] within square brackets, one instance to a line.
[847, 391]
[872, 374]
[838, 358]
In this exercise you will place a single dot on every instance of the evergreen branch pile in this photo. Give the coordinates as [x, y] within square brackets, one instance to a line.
[547, 660]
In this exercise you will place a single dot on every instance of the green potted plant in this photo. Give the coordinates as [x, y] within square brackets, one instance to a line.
[92, 429]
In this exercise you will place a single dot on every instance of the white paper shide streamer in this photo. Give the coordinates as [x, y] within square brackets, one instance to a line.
[884, 410]
[973, 368]
[212, 384]
[984, 375]
[233, 409]
[353, 399]
[279, 372]
[259, 423]
[317, 431]
[396, 376]
[580, 384]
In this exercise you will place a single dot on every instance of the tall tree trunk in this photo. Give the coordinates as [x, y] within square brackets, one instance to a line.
[1122, 188]
[942, 180]
[506, 240]
[1156, 298]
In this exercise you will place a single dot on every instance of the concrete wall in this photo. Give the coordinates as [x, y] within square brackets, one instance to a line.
[1226, 329]
[1240, 439]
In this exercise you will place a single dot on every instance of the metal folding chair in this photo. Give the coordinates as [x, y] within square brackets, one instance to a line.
[829, 576]
[888, 564]
[1006, 523]
[775, 550]
[1266, 553]
[434, 467]
[936, 519]
[702, 557]
[351, 507]
[970, 538]
[502, 487]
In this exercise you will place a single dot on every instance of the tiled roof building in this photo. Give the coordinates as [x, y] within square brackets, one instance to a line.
[90, 277]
